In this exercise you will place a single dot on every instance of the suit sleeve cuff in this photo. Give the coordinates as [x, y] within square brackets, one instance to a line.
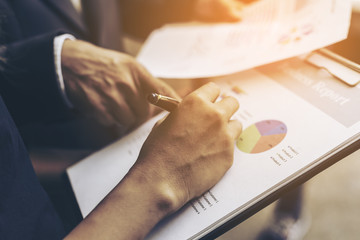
[58, 44]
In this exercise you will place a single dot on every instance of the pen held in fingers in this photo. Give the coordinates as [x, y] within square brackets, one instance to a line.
[164, 102]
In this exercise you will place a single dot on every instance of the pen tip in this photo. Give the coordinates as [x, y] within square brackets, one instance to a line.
[152, 98]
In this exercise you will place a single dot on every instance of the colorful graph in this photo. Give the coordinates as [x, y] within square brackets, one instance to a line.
[296, 34]
[261, 136]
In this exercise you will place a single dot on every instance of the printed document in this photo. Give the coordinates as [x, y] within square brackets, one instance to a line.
[270, 30]
[294, 117]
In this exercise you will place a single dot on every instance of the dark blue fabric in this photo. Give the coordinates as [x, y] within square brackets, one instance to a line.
[29, 87]
[36, 17]
[28, 82]
[25, 210]
[27, 29]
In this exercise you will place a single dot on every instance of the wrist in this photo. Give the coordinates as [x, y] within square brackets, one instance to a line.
[157, 192]
[73, 51]
[83, 67]
[130, 210]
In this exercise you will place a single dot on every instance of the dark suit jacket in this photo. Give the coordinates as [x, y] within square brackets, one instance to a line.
[28, 27]
[29, 87]
[25, 210]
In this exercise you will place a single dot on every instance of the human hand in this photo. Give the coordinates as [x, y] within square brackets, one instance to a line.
[108, 85]
[183, 157]
[218, 10]
[192, 148]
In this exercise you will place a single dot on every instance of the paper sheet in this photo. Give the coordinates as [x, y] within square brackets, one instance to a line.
[293, 116]
[271, 30]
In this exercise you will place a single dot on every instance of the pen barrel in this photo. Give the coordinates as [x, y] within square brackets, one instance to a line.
[164, 102]
[167, 104]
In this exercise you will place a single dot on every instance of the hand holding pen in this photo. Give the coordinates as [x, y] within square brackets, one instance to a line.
[192, 147]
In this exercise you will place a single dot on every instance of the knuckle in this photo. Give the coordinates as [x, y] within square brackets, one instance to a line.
[132, 64]
[236, 128]
[125, 60]
[213, 85]
[239, 127]
[219, 119]
[234, 101]
[193, 100]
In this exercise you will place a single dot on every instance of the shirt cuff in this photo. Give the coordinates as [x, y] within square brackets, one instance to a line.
[58, 44]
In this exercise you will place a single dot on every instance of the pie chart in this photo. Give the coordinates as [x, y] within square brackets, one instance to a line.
[261, 136]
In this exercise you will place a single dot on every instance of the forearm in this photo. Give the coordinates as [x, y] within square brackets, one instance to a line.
[130, 211]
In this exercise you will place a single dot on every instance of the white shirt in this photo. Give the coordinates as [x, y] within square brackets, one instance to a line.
[58, 44]
[77, 5]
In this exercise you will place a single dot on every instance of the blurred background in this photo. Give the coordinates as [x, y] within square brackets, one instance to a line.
[332, 206]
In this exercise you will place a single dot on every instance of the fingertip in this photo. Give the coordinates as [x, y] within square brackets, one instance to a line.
[228, 106]
[235, 127]
[240, 128]
[212, 85]
[234, 102]
[209, 91]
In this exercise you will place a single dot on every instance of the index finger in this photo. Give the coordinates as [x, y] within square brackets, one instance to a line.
[209, 91]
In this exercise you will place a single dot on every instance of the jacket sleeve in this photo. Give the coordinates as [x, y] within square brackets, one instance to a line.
[140, 17]
[29, 84]
[26, 210]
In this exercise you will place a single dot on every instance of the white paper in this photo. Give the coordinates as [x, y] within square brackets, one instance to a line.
[271, 30]
[293, 116]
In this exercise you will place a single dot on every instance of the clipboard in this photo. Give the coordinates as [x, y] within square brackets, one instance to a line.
[278, 193]
[347, 72]
[82, 170]
[88, 177]
[340, 67]
[341, 59]
[333, 64]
